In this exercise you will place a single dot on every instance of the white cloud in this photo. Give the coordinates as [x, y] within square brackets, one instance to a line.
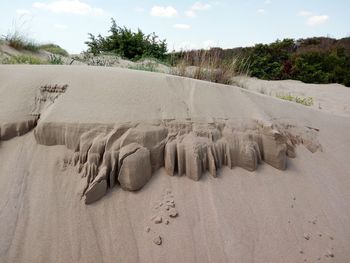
[317, 20]
[197, 6]
[261, 11]
[163, 11]
[200, 6]
[313, 20]
[75, 7]
[268, 2]
[181, 26]
[22, 12]
[305, 13]
[60, 26]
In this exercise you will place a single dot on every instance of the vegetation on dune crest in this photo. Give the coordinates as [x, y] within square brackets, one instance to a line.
[206, 65]
[18, 41]
[54, 49]
[312, 60]
[315, 60]
[127, 44]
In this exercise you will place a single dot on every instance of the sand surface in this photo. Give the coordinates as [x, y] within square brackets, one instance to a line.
[331, 98]
[279, 209]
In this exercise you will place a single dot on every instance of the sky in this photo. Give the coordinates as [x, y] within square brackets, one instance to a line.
[185, 24]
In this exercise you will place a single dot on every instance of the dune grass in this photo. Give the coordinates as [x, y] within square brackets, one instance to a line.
[207, 65]
[23, 59]
[54, 49]
[306, 101]
[18, 41]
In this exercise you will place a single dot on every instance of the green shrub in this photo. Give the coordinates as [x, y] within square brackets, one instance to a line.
[270, 61]
[23, 59]
[55, 60]
[54, 49]
[305, 60]
[127, 44]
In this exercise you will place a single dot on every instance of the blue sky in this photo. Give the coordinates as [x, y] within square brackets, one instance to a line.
[185, 24]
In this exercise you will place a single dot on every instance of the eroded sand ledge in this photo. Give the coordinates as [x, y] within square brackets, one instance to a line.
[124, 125]
[127, 154]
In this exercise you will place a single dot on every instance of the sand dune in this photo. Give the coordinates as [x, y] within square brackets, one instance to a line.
[332, 98]
[92, 162]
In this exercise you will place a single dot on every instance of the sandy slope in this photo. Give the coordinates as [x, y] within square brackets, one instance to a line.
[267, 215]
[333, 98]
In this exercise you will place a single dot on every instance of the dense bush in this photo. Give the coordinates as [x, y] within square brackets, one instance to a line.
[312, 60]
[127, 44]
[317, 67]
[315, 60]
[271, 61]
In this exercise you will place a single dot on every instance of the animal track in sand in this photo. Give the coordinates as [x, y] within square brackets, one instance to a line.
[315, 235]
[163, 212]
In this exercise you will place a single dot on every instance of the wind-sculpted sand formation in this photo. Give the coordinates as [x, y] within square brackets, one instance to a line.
[128, 154]
[72, 135]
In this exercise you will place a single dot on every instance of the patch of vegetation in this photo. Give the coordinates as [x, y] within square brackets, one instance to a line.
[127, 44]
[23, 59]
[18, 41]
[312, 60]
[319, 67]
[54, 49]
[206, 65]
[306, 101]
[151, 67]
[316, 60]
[55, 60]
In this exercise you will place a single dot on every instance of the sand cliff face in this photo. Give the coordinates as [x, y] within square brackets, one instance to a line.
[47, 94]
[128, 154]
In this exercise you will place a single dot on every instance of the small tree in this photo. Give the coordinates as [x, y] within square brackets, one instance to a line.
[128, 44]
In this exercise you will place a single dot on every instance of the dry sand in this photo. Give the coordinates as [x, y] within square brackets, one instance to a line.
[331, 98]
[264, 180]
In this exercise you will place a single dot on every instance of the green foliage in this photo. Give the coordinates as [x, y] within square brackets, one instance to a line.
[23, 59]
[20, 42]
[128, 44]
[144, 67]
[271, 61]
[307, 101]
[55, 60]
[54, 49]
[304, 60]
[327, 67]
